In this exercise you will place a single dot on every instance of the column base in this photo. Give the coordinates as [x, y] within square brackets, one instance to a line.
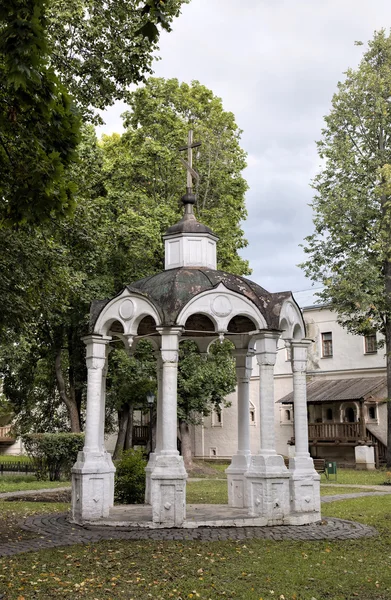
[148, 470]
[305, 496]
[268, 488]
[92, 486]
[168, 491]
[238, 496]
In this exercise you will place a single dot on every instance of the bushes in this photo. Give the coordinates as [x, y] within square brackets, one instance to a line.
[53, 454]
[130, 478]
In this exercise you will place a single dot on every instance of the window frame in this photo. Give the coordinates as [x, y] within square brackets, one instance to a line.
[373, 339]
[327, 344]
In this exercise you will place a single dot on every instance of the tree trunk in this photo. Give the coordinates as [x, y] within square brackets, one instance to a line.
[186, 444]
[129, 429]
[122, 426]
[69, 401]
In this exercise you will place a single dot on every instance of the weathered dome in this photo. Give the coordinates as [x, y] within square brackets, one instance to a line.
[171, 290]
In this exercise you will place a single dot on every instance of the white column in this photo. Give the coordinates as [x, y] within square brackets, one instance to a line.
[266, 353]
[237, 483]
[304, 480]
[168, 478]
[103, 401]
[302, 459]
[96, 361]
[159, 403]
[93, 472]
[169, 354]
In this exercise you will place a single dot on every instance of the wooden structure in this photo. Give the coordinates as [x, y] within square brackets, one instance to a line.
[343, 413]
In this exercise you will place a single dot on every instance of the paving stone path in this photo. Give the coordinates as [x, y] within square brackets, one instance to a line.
[54, 530]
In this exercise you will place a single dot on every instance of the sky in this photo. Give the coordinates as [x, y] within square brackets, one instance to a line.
[276, 65]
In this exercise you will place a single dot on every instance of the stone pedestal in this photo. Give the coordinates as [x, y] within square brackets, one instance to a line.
[148, 471]
[268, 489]
[304, 492]
[168, 491]
[92, 486]
[237, 481]
[365, 458]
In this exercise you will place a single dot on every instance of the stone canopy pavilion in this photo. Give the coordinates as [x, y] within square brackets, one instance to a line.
[191, 299]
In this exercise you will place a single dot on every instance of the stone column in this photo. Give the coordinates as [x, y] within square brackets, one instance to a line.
[152, 457]
[237, 496]
[267, 475]
[168, 478]
[304, 484]
[93, 472]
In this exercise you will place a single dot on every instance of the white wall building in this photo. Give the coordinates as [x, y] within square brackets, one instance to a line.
[334, 355]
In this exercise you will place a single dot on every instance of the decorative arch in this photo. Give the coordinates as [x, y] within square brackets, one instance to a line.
[221, 306]
[129, 310]
[291, 320]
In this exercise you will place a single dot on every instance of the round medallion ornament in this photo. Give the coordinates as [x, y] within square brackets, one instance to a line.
[221, 306]
[126, 310]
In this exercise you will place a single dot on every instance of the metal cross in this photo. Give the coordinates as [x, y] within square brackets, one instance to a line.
[191, 173]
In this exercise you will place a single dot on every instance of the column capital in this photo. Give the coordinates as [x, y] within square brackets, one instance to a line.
[170, 343]
[266, 347]
[243, 363]
[96, 350]
[299, 355]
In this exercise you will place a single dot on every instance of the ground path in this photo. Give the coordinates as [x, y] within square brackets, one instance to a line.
[54, 530]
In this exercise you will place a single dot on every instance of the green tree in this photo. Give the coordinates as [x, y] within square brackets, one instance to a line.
[39, 128]
[350, 250]
[142, 166]
[204, 380]
[100, 47]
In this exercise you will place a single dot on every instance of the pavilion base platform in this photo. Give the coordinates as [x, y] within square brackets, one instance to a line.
[134, 516]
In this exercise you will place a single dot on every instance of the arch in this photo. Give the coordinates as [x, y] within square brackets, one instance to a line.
[291, 320]
[127, 308]
[241, 324]
[146, 325]
[221, 306]
[198, 324]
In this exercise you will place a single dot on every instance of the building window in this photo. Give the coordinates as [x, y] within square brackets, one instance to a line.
[372, 413]
[329, 414]
[327, 344]
[217, 417]
[212, 452]
[287, 415]
[252, 414]
[370, 343]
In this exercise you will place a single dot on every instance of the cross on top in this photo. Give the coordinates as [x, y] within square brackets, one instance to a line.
[191, 173]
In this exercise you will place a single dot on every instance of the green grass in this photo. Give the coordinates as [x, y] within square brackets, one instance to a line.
[18, 458]
[353, 477]
[21, 483]
[206, 492]
[245, 570]
[331, 490]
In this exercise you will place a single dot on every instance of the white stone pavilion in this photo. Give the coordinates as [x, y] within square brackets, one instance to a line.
[190, 299]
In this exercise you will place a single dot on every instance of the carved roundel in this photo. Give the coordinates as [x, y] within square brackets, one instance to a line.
[221, 306]
[126, 309]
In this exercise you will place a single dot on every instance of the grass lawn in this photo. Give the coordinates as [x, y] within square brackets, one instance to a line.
[17, 458]
[20, 483]
[250, 570]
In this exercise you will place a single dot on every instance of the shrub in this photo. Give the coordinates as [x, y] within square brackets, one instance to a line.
[130, 478]
[53, 454]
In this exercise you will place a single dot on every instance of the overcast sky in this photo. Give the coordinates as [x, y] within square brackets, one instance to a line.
[275, 64]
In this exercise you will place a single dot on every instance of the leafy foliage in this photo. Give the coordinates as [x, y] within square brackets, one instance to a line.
[129, 486]
[101, 47]
[38, 124]
[53, 454]
[350, 251]
[350, 247]
[143, 170]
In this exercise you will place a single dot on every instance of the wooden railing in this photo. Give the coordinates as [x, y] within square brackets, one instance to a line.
[334, 431]
[5, 434]
[380, 448]
[140, 433]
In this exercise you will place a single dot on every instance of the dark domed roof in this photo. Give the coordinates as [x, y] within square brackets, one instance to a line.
[171, 290]
[189, 224]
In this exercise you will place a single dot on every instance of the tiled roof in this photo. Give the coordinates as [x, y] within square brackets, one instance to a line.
[320, 390]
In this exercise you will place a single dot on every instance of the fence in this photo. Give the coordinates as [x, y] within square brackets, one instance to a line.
[16, 466]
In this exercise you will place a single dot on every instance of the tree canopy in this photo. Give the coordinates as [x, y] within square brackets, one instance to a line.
[350, 250]
[39, 128]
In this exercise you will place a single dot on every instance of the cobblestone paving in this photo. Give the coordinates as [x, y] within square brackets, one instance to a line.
[55, 530]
